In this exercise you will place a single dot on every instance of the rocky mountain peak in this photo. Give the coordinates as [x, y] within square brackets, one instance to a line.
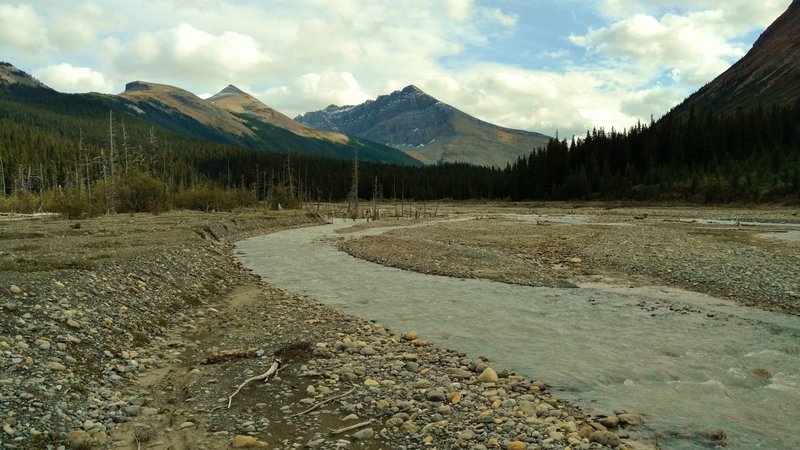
[11, 75]
[411, 89]
[427, 129]
[137, 86]
[231, 90]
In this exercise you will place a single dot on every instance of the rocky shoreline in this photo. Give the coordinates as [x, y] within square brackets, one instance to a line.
[107, 326]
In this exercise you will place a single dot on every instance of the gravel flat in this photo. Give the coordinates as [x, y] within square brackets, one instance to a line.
[747, 256]
[133, 332]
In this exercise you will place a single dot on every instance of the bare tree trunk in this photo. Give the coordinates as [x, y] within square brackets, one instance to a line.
[125, 144]
[352, 197]
[375, 200]
[88, 184]
[111, 184]
[2, 179]
[403, 197]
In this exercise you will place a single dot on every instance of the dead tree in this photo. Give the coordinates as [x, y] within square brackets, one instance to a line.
[352, 197]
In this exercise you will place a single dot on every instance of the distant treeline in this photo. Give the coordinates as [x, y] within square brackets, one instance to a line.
[750, 156]
[81, 154]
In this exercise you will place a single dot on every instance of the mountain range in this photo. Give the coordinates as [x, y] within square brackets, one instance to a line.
[231, 117]
[427, 129]
[406, 127]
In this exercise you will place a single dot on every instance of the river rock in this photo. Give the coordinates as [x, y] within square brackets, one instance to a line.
[15, 290]
[79, 440]
[488, 376]
[454, 397]
[605, 438]
[634, 420]
[517, 445]
[435, 395]
[459, 373]
[56, 366]
[466, 435]
[242, 441]
[410, 336]
[527, 408]
[409, 427]
[610, 421]
[362, 435]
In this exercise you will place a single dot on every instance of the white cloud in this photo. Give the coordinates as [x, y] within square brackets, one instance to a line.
[22, 28]
[338, 88]
[193, 54]
[459, 10]
[555, 54]
[697, 46]
[497, 15]
[66, 78]
[305, 54]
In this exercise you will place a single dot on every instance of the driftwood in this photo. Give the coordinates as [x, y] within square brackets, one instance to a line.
[272, 369]
[317, 405]
[230, 355]
[351, 427]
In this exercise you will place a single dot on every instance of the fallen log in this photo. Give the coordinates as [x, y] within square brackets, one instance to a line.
[317, 405]
[272, 369]
[351, 427]
[230, 355]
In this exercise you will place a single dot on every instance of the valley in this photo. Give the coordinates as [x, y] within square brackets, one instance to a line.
[164, 294]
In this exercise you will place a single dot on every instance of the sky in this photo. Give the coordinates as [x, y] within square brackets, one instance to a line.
[551, 66]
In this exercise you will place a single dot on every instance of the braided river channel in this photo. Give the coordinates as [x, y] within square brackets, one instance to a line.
[686, 361]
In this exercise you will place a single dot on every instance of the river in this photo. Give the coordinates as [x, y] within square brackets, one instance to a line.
[684, 360]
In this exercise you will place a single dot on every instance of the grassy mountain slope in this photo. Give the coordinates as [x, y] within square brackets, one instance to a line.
[768, 75]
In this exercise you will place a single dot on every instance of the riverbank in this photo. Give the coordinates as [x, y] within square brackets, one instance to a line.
[133, 331]
[751, 256]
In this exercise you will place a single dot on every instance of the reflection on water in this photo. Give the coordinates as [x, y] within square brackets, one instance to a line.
[689, 362]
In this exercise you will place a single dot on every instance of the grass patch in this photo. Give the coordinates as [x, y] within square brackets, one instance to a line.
[102, 244]
[26, 265]
[6, 236]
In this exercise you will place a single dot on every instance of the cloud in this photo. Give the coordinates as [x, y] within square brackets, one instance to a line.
[66, 78]
[695, 45]
[193, 54]
[641, 57]
[459, 10]
[22, 28]
[337, 88]
[497, 15]
[555, 54]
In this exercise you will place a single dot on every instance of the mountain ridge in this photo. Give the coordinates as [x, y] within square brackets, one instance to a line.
[768, 74]
[183, 112]
[238, 102]
[427, 129]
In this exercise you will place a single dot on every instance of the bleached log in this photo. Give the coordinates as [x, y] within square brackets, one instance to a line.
[272, 369]
[317, 405]
[351, 427]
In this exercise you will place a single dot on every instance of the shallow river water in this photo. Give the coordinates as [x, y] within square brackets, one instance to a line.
[684, 360]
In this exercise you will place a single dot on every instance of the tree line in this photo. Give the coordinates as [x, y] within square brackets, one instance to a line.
[83, 155]
[750, 156]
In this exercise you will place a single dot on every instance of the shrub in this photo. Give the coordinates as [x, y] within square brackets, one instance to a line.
[280, 195]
